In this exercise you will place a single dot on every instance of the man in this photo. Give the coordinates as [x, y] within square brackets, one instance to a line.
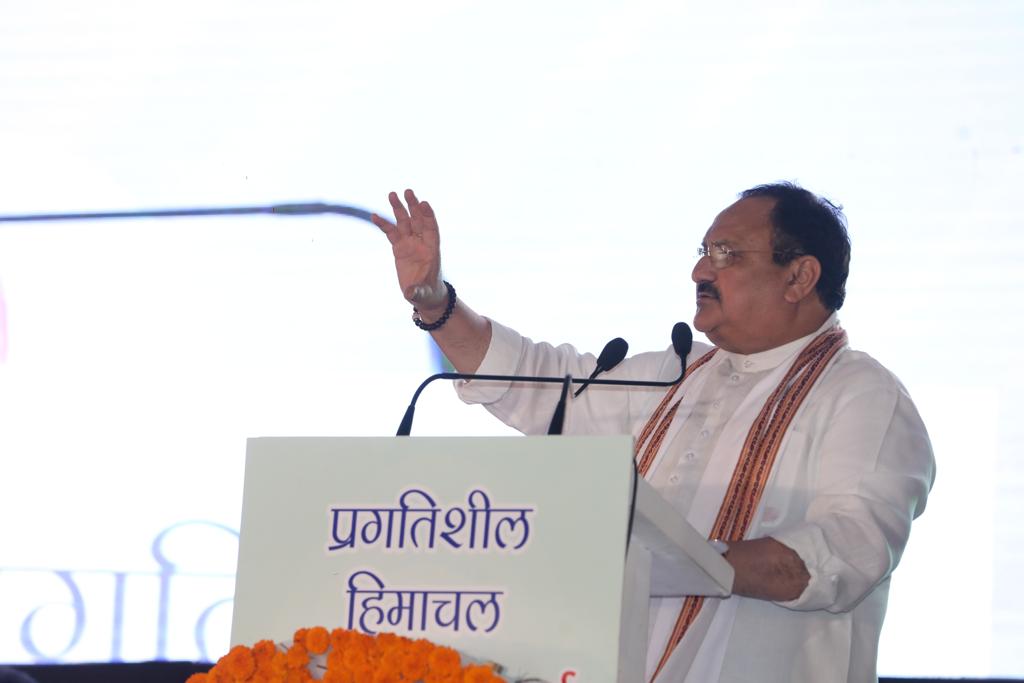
[806, 458]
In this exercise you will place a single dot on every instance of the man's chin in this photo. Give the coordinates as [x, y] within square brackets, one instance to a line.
[703, 320]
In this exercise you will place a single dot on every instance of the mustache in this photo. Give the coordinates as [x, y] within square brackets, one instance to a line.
[708, 288]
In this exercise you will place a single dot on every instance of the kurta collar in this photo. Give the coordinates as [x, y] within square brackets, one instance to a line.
[772, 358]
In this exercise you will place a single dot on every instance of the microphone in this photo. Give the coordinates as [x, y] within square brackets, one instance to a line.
[611, 355]
[682, 340]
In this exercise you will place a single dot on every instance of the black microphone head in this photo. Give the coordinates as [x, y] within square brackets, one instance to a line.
[612, 354]
[682, 340]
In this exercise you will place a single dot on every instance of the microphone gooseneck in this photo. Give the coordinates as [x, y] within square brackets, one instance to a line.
[555, 427]
[682, 340]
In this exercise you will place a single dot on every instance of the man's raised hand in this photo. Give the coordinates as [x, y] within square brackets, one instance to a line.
[416, 245]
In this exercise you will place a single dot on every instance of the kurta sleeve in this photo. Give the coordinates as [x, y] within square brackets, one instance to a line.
[876, 468]
[528, 407]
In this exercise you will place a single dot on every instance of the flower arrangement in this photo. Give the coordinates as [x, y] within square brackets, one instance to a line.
[343, 656]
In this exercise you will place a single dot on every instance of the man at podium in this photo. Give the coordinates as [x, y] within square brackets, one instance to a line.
[804, 459]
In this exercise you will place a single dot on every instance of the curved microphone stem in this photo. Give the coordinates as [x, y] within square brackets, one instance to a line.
[585, 383]
[406, 426]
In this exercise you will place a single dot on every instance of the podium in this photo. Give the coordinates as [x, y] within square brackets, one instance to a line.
[539, 553]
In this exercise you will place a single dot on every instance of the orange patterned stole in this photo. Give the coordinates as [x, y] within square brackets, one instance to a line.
[756, 459]
[649, 441]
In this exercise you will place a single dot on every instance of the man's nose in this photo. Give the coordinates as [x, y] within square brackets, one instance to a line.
[703, 271]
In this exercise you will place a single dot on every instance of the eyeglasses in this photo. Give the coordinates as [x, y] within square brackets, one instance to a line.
[723, 256]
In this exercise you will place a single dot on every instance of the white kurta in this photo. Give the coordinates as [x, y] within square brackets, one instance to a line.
[854, 470]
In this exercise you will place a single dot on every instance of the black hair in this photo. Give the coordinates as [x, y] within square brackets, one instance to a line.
[806, 224]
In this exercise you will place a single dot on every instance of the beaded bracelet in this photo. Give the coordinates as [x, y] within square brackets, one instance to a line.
[444, 316]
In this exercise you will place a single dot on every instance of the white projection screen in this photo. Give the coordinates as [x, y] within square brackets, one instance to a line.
[575, 153]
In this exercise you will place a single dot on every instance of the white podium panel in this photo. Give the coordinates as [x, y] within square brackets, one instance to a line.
[509, 549]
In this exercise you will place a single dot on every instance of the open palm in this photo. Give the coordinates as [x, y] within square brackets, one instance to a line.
[416, 245]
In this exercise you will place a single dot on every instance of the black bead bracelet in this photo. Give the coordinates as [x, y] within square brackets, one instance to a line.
[429, 327]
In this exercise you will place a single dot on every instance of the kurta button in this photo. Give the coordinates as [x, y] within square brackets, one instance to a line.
[674, 479]
[690, 456]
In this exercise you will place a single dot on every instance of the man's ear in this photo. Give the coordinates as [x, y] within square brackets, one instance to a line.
[804, 272]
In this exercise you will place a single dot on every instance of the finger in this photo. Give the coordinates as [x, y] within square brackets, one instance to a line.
[426, 221]
[426, 210]
[412, 201]
[417, 215]
[386, 226]
[401, 215]
[423, 219]
[416, 207]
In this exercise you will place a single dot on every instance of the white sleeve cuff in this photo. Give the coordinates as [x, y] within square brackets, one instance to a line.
[822, 590]
[502, 358]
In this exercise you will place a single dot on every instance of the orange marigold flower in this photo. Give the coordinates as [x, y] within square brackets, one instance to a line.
[362, 641]
[338, 676]
[340, 638]
[422, 646]
[239, 663]
[317, 640]
[444, 660]
[479, 673]
[300, 635]
[362, 674]
[298, 676]
[389, 668]
[278, 663]
[434, 677]
[219, 673]
[355, 658]
[392, 658]
[414, 664]
[297, 656]
[386, 676]
[387, 641]
[336, 659]
[263, 653]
